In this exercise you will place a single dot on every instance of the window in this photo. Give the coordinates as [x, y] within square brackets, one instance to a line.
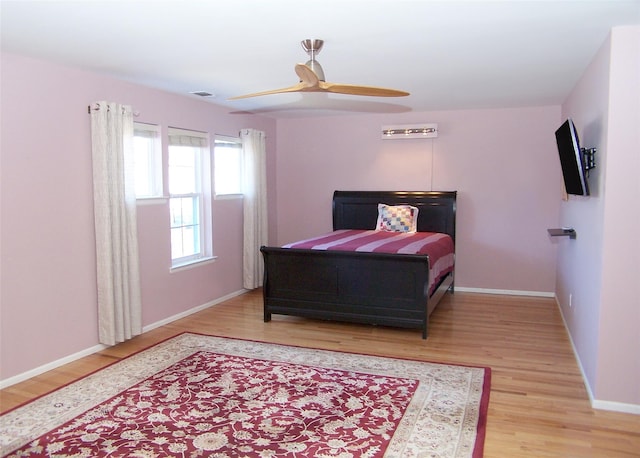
[147, 156]
[189, 197]
[227, 156]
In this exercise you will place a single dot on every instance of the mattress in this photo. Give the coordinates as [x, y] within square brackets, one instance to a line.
[439, 247]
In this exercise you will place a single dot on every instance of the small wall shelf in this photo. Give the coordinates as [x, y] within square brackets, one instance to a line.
[563, 232]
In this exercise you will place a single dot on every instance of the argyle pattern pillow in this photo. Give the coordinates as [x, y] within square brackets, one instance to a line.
[397, 218]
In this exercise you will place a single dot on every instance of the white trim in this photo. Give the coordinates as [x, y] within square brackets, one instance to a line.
[52, 365]
[96, 348]
[186, 265]
[152, 154]
[616, 406]
[507, 292]
[151, 200]
[596, 403]
[230, 145]
[145, 126]
[228, 196]
[585, 380]
[199, 308]
[176, 131]
[228, 139]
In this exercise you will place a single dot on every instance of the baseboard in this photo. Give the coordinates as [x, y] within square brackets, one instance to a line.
[199, 308]
[506, 292]
[596, 403]
[50, 366]
[96, 348]
[616, 406]
[585, 380]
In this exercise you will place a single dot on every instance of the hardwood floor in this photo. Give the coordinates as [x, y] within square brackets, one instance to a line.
[538, 407]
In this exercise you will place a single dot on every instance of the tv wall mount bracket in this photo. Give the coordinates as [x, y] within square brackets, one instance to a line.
[589, 158]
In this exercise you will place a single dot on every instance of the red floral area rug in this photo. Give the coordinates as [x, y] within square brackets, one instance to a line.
[196, 395]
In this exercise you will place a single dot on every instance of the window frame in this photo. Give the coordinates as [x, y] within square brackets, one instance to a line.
[202, 191]
[219, 139]
[154, 172]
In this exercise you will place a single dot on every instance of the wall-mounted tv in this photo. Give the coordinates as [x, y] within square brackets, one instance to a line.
[572, 160]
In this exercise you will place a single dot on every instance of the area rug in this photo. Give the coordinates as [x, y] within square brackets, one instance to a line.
[198, 395]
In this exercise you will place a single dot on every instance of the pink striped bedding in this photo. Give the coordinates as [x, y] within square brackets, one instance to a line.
[439, 247]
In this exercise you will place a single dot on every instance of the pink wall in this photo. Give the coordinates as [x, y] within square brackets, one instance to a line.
[601, 267]
[502, 162]
[580, 260]
[48, 296]
[619, 375]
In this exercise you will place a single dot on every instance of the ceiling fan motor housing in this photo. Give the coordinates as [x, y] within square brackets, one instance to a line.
[313, 47]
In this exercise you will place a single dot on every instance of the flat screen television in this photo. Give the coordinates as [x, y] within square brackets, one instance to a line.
[572, 160]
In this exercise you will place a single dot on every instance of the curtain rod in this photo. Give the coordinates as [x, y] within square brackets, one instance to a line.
[96, 107]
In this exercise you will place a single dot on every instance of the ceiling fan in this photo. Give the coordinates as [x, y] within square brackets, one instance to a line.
[312, 79]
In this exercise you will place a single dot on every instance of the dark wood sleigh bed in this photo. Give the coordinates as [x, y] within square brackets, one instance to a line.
[373, 288]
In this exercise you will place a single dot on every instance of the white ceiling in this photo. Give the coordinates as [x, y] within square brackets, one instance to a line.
[447, 54]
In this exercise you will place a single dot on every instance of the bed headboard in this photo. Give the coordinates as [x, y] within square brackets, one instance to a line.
[359, 209]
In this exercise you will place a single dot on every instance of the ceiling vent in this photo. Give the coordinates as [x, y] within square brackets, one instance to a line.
[202, 93]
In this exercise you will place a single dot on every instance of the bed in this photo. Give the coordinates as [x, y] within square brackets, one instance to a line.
[362, 287]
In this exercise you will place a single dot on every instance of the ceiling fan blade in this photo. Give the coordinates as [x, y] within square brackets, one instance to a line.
[312, 79]
[295, 88]
[353, 89]
[307, 75]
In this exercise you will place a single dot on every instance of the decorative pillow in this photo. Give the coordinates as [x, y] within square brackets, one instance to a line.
[397, 218]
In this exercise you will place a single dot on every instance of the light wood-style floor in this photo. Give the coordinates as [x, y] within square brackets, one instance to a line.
[538, 407]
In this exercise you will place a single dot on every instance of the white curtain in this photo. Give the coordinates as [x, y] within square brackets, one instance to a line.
[254, 183]
[117, 264]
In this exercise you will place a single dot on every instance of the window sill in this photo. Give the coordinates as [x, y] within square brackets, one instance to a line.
[228, 196]
[191, 264]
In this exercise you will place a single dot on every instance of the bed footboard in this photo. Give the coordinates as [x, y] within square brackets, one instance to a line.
[372, 288]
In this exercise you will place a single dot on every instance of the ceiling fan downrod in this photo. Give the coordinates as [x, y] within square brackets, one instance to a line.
[313, 47]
